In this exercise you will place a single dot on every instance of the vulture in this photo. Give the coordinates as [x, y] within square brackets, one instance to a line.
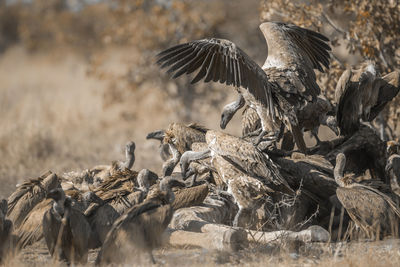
[393, 166]
[140, 228]
[249, 174]
[65, 229]
[179, 138]
[285, 83]
[31, 230]
[28, 194]
[370, 209]
[361, 94]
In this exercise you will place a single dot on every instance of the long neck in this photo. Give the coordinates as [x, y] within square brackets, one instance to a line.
[230, 110]
[190, 156]
[143, 180]
[130, 159]
[338, 172]
[236, 105]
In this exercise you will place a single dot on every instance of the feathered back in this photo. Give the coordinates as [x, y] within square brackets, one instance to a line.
[183, 136]
[28, 194]
[245, 156]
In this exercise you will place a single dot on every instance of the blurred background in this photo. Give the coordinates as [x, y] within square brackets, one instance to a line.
[78, 79]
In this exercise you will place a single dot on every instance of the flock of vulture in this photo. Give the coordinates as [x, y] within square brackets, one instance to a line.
[215, 186]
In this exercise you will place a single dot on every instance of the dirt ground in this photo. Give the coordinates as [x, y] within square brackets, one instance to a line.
[382, 253]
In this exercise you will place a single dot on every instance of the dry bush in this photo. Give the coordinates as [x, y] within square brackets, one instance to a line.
[146, 27]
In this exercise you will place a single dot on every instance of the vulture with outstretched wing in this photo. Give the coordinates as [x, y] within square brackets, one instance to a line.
[286, 81]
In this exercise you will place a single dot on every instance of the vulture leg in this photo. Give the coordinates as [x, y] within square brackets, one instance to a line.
[254, 133]
[259, 137]
[153, 261]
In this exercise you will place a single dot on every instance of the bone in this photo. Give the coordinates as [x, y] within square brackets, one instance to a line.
[314, 233]
[221, 238]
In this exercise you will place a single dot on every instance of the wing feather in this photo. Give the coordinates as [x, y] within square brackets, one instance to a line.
[192, 64]
[211, 69]
[203, 69]
[218, 60]
[312, 43]
[183, 61]
[172, 57]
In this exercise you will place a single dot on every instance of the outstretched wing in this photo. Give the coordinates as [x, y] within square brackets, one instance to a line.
[221, 61]
[313, 45]
[297, 50]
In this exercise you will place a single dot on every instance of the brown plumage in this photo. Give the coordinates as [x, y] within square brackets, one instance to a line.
[125, 189]
[125, 178]
[140, 228]
[371, 210]
[116, 197]
[28, 194]
[246, 157]
[6, 228]
[179, 138]
[101, 216]
[249, 174]
[31, 230]
[101, 172]
[183, 136]
[248, 192]
[284, 83]
[66, 230]
[361, 94]
[250, 121]
[191, 196]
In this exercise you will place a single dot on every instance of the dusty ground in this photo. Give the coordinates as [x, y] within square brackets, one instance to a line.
[382, 253]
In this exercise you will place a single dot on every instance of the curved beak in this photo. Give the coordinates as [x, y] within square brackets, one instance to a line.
[158, 135]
